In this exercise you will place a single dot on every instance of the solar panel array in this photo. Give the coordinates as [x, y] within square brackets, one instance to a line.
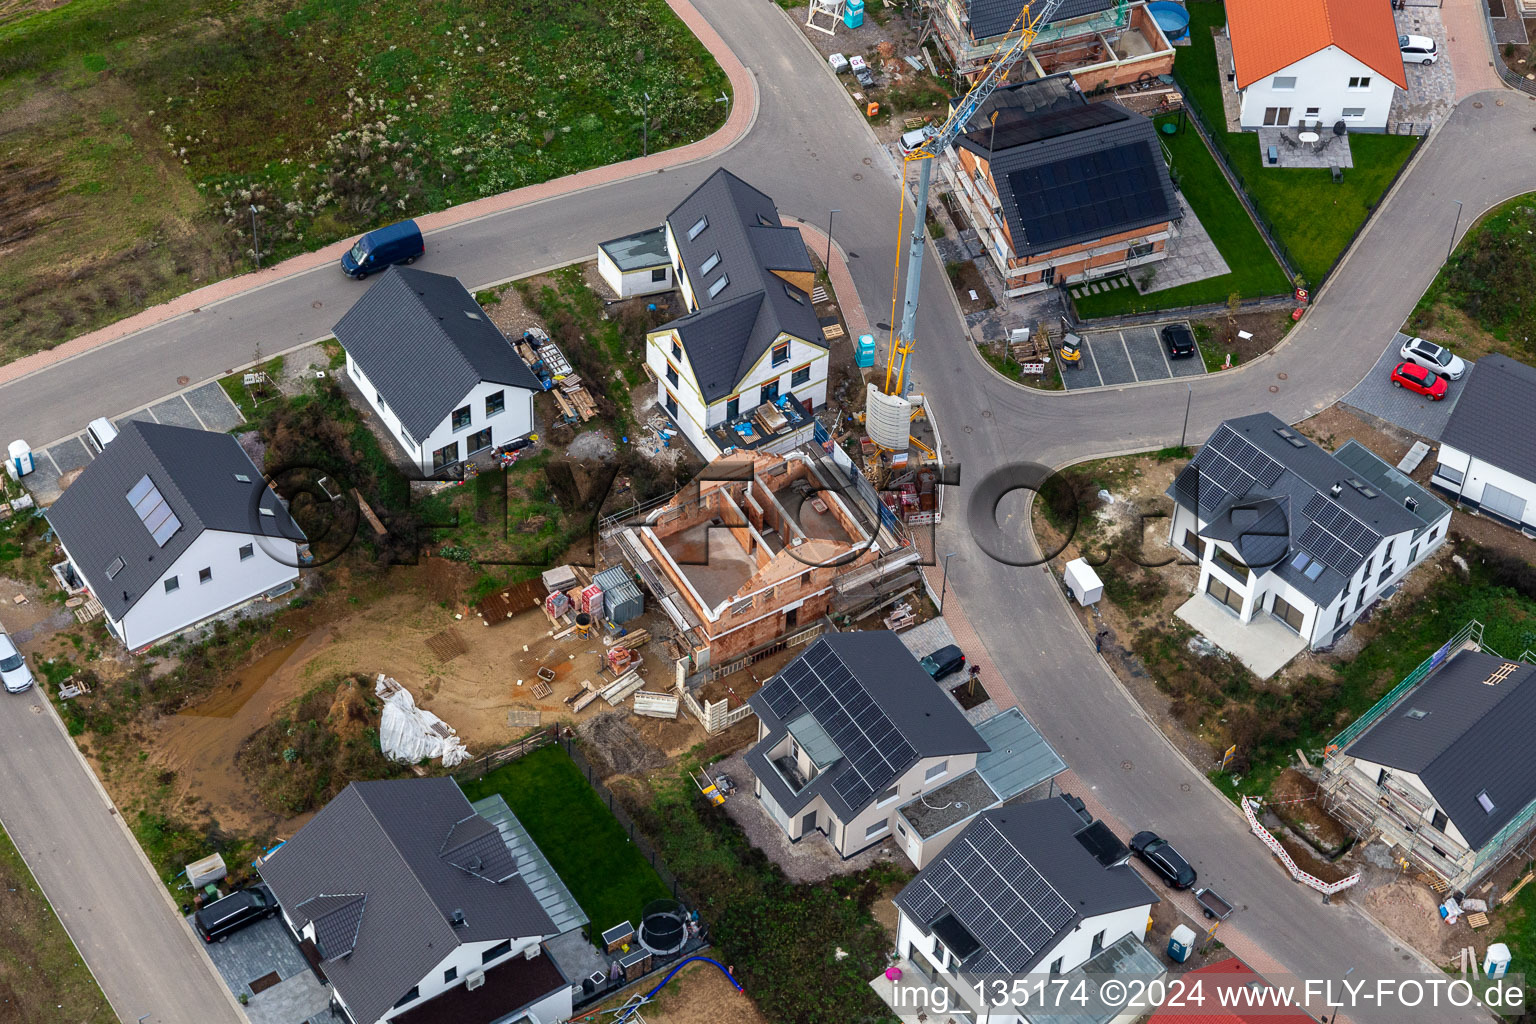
[1229, 466]
[992, 889]
[1335, 536]
[154, 513]
[874, 752]
[1018, 126]
[1089, 194]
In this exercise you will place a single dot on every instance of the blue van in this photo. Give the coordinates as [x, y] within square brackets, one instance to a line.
[397, 243]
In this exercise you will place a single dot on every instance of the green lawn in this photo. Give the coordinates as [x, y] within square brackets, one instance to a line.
[1221, 213]
[39, 966]
[1490, 280]
[1312, 218]
[585, 844]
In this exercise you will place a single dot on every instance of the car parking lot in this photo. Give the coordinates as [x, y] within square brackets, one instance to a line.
[1127, 356]
[262, 963]
[1416, 414]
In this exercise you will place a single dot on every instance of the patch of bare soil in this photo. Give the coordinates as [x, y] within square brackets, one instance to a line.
[1222, 334]
[970, 287]
[700, 994]
[616, 740]
[1294, 797]
[1409, 910]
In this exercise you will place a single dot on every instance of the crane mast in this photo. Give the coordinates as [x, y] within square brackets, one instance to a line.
[1030, 21]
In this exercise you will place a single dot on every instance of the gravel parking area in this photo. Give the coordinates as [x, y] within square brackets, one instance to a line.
[1376, 396]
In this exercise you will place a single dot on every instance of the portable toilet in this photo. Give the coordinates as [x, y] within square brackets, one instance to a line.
[853, 13]
[864, 351]
[1181, 943]
[19, 461]
[1083, 582]
[1496, 960]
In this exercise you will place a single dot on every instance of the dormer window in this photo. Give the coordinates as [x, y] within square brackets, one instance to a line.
[698, 228]
[719, 285]
[710, 264]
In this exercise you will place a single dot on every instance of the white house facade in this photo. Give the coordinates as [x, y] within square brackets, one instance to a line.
[1487, 458]
[170, 526]
[637, 264]
[1327, 87]
[1282, 528]
[441, 377]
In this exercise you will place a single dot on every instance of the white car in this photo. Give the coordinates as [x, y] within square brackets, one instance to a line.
[1432, 357]
[914, 139]
[13, 667]
[1418, 49]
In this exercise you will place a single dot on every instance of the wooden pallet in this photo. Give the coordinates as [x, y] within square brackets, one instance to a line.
[914, 123]
[832, 331]
[1477, 919]
[819, 294]
[447, 645]
[542, 689]
[88, 611]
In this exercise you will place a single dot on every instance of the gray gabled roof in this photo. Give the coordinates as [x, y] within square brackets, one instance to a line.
[1016, 880]
[1464, 735]
[424, 343]
[1069, 171]
[195, 471]
[415, 849]
[1268, 489]
[994, 17]
[732, 329]
[878, 706]
[643, 250]
[1491, 420]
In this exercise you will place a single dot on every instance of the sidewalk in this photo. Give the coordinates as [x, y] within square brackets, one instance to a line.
[743, 113]
[1469, 48]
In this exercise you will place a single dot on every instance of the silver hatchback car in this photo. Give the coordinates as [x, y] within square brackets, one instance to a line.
[1432, 357]
[13, 667]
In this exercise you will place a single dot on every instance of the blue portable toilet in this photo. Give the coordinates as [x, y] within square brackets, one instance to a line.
[1496, 961]
[853, 13]
[864, 351]
[19, 459]
[1181, 944]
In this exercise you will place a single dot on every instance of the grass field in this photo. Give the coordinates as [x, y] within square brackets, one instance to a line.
[1482, 299]
[585, 844]
[138, 133]
[1254, 271]
[39, 966]
[1310, 216]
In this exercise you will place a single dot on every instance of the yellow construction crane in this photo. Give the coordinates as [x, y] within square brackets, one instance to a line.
[889, 411]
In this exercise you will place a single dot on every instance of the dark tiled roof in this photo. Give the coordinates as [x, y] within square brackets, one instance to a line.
[1492, 418]
[195, 472]
[732, 329]
[994, 17]
[990, 879]
[898, 715]
[1253, 486]
[336, 919]
[407, 846]
[509, 987]
[640, 251]
[1463, 736]
[424, 343]
[1068, 171]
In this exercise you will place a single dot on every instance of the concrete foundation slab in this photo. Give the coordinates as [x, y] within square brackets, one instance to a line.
[1263, 644]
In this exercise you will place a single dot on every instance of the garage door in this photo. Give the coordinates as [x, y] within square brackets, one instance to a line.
[1510, 506]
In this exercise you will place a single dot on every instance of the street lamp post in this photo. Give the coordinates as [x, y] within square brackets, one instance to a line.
[944, 583]
[255, 242]
[645, 125]
[1188, 401]
[828, 264]
[1451, 247]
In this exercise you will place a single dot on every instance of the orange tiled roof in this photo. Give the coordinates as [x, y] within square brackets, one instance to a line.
[1268, 35]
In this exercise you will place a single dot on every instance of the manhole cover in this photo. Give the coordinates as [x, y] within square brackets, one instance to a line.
[1283, 376]
[316, 304]
[1477, 106]
[1273, 388]
[1498, 103]
[1184, 787]
[868, 162]
[37, 709]
[986, 414]
[967, 429]
[1126, 765]
[183, 381]
[857, 176]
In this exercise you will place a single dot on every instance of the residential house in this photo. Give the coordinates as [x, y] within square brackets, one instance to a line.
[1229, 996]
[1287, 533]
[442, 378]
[1036, 888]
[1435, 771]
[1102, 43]
[743, 557]
[417, 910]
[1061, 190]
[1487, 457]
[637, 264]
[1314, 62]
[750, 338]
[856, 742]
[170, 526]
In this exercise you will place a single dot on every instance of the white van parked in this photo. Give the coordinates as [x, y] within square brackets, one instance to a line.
[100, 433]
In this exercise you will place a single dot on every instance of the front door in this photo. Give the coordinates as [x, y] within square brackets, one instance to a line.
[807, 824]
[479, 442]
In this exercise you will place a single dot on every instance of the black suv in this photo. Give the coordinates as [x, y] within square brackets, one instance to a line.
[944, 661]
[1178, 341]
[230, 913]
[1161, 857]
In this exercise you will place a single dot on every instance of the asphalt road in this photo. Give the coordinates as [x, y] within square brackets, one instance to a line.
[809, 151]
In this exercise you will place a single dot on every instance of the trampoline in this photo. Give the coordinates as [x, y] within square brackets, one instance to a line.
[664, 927]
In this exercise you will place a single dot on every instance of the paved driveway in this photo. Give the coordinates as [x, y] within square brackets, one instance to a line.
[262, 963]
[1127, 356]
[1413, 412]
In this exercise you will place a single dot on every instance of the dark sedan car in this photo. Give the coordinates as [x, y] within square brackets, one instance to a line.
[230, 913]
[1161, 857]
[945, 661]
[1178, 341]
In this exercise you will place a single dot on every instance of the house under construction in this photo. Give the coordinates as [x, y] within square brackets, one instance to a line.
[1102, 43]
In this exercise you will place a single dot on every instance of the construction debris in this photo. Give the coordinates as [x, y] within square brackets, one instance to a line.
[622, 687]
[656, 705]
[408, 733]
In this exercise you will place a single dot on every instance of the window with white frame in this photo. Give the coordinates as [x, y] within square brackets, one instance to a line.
[1352, 113]
[942, 768]
[1283, 83]
[876, 829]
[1360, 81]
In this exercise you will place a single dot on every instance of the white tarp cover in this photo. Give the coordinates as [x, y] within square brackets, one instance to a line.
[409, 734]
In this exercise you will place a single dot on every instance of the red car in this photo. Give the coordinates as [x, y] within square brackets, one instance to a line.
[1416, 378]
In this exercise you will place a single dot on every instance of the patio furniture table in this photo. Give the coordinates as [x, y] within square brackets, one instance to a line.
[1307, 136]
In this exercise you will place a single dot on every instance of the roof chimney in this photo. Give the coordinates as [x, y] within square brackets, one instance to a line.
[1336, 490]
[457, 918]
[1412, 503]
